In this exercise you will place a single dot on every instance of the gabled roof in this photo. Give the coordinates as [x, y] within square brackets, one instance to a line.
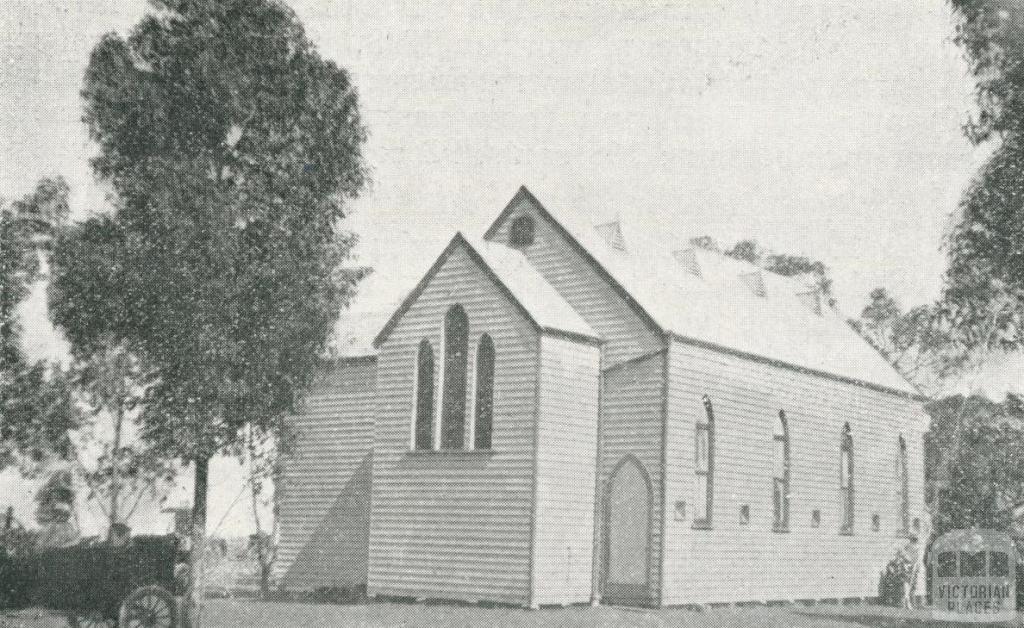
[353, 334]
[524, 286]
[717, 306]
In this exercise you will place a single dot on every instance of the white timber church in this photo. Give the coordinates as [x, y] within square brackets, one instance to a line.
[558, 416]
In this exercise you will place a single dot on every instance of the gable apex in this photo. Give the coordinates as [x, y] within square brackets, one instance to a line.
[521, 284]
[523, 194]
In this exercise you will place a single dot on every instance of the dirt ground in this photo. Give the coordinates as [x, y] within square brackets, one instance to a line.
[231, 613]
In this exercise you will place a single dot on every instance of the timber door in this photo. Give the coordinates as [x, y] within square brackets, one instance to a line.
[627, 547]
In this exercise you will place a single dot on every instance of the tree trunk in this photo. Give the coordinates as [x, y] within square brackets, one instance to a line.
[115, 470]
[265, 580]
[261, 546]
[194, 595]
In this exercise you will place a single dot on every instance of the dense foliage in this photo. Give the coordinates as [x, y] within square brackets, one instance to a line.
[984, 292]
[36, 411]
[974, 463]
[231, 146]
[991, 33]
[916, 341]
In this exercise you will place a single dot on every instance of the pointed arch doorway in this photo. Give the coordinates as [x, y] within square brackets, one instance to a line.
[626, 559]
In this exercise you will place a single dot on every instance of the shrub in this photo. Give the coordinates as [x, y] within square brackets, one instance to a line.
[892, 581]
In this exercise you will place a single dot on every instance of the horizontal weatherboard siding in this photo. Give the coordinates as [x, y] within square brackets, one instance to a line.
[632, 410]
[325, 492]
[734, 562]
[455, 525]
[566, 466]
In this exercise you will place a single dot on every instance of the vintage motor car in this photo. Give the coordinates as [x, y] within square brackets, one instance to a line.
[100, 584]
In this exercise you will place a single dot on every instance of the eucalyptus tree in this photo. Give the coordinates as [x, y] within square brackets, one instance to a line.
[36, 408]
[983, 295]
[231, 147]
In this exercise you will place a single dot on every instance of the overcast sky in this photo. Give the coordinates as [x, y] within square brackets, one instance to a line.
[830, 129]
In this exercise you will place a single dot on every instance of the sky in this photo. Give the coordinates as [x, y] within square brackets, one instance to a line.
[828, 129]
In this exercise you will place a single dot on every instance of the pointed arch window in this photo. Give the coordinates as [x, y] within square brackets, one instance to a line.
[780, 472]
[704, 466]
[483, 410]
[846, 479]
[423, 434]
[453, 399]
[903, 484]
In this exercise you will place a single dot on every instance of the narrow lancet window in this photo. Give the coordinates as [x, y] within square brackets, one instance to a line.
[846, 478]
[453, 402]
[483, 412]
[704, 466]
[780, 474]
[423, 437]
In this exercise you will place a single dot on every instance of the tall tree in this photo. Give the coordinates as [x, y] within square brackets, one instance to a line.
[983, 296]
[232, 147]
[36, 411]
[974, 463]
[991, 33]
[916, 342]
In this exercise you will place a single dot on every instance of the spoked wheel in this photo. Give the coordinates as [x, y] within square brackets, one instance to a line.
[149, 607]
[94, 619]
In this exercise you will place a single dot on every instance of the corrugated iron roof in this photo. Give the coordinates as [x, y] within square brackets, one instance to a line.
[718, 307]
[526, 287]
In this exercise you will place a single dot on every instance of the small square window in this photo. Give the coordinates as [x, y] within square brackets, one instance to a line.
[876, 522]
[917, 524]
[815, 518]
[972, 564]
[947, 565]
[744, 514]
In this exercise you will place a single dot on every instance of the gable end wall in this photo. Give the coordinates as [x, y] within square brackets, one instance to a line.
[626, 335]
[455, 524]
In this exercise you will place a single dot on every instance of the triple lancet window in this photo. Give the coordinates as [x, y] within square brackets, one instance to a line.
[450, 431]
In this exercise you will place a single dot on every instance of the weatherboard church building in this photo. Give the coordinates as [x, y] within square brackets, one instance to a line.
[557, 415]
